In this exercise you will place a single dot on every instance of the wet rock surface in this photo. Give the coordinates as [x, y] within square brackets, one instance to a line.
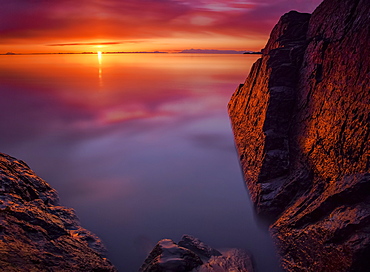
[36, 233]
[301, 125]
[191, 254]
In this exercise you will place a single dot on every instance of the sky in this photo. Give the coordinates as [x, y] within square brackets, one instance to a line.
[140, 25]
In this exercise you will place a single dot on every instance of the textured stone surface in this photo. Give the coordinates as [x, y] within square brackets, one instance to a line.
[236, 260]
[304, 149]
[168, 256]
[36, 233]
[191, 254]
[261, 110]
[198, 247]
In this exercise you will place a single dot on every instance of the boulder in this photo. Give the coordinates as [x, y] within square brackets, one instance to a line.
[168, 256]
[191, 254]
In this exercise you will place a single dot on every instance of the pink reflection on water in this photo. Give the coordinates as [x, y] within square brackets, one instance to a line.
[144, 141]
[111, 88]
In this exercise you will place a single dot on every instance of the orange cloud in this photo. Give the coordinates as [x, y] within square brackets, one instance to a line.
[86, 43]
[25, 24]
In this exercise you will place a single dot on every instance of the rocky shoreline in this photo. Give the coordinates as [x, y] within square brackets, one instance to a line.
[301, 126]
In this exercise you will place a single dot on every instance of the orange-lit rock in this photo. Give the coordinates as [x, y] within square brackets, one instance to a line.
[261, 112]
[312, 174]
[36, 233]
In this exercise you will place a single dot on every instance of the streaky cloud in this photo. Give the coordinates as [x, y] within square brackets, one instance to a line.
[84, 43]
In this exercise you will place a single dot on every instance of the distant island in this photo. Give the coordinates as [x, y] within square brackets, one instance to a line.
[215, 51]
[86, 53]
[136, 52]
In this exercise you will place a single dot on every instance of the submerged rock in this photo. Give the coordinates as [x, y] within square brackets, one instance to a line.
[302, 123]
[198, 247]
[168, 256]
[36, 233]
[191, 254]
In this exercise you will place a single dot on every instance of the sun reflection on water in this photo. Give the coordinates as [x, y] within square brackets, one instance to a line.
[100, 57]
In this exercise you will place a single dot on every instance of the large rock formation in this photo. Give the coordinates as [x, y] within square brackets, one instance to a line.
[301, 125]
[36, 233]
[261, 111]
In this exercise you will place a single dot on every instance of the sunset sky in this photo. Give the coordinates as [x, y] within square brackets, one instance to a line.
[140, 25]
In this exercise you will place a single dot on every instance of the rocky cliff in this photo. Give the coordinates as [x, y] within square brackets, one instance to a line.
[301, 126]
[36, 233]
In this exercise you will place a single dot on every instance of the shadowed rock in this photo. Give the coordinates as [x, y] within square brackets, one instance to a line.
[191, 254]
[36, 233]
[198, 247]
[168, 256]
[301, 125]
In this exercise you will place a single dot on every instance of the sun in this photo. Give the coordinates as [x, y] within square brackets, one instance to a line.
[100, 56]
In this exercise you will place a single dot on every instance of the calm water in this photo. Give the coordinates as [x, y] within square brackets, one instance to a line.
[139, 144]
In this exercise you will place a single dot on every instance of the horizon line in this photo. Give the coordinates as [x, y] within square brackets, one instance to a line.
[185, 51]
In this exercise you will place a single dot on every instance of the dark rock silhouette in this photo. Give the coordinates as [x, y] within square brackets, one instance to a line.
[301, 125]
[36, 233]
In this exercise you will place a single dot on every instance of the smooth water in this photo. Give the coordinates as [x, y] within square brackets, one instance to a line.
[140, 145]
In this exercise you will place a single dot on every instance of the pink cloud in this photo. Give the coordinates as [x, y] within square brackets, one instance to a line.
[69, 22]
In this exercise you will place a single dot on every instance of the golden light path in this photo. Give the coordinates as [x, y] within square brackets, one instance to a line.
[99, 56]
[99, 53]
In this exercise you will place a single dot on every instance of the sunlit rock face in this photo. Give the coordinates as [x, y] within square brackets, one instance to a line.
[301, 125]
[191, 254]
[261, 111]
[36, 233]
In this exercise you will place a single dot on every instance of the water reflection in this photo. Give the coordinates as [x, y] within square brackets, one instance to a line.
[147, 155]
[99, 53]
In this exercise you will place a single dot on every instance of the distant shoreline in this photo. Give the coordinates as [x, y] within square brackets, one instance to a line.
[140, 52]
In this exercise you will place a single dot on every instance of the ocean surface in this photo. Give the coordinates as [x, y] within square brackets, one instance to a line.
[140, 145]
